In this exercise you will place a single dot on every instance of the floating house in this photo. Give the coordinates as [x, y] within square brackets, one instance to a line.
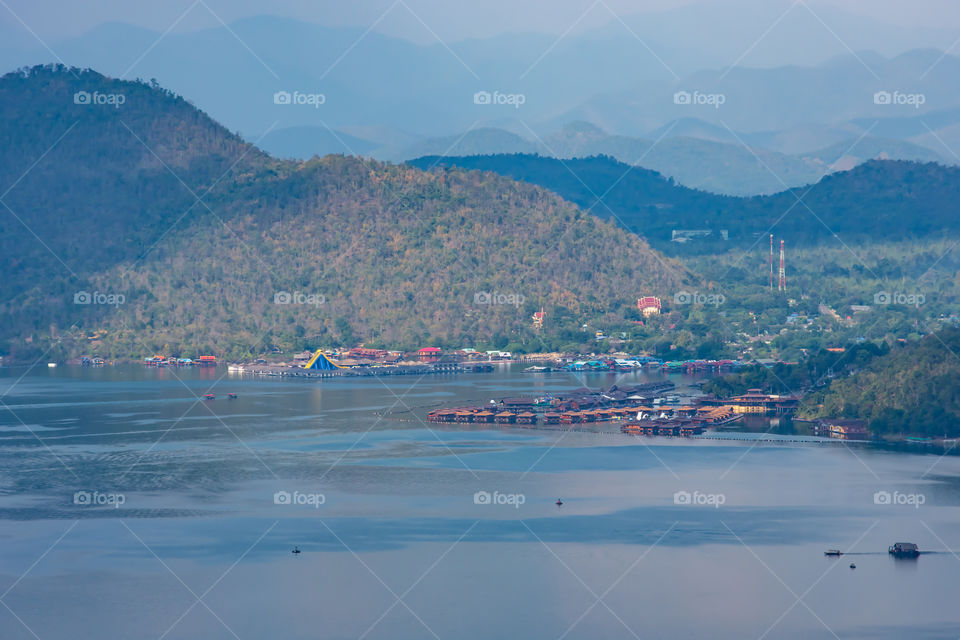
[845, 429]
[429, 353]
[755, 401]
[904, 550]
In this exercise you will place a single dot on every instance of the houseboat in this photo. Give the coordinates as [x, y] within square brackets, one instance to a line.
[904, 550]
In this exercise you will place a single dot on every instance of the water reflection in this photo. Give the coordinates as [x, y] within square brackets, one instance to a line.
[400, 517]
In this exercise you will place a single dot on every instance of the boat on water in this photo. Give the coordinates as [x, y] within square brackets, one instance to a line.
[231, 395]
[51, 364]
[833, 552]
[209, 396]
[904, 550]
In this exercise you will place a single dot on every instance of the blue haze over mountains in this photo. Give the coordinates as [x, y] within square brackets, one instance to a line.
[608, 89]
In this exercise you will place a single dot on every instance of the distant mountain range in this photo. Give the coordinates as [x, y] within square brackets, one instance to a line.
[863, 86]
[876, 201]
[802, 114]
[720, 167]
[137, 224]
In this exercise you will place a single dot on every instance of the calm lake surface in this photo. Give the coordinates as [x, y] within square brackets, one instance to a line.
[129, 509]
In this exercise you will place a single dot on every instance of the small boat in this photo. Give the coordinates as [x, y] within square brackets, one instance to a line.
[295, 550]
[209, 396]
[51, 364]
[231, 395]
[833, 552]
[853, 566]
[559, 502]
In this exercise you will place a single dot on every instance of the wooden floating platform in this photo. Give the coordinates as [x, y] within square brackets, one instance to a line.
[672, 428]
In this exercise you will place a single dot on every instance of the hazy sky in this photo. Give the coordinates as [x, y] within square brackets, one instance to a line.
[448, 19]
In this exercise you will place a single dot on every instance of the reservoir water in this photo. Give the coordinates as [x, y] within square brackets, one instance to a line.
[132, 508]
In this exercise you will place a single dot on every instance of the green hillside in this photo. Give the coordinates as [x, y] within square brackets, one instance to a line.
[913, 390]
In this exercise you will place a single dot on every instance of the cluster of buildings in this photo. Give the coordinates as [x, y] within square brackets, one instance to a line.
[636, 407]
[755, 401]
[364, 356]
[630, 363]
[171, 361]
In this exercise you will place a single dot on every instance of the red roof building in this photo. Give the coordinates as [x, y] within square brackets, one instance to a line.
[430, 351]
[649, 306]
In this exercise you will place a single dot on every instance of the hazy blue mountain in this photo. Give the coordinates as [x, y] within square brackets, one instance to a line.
[797, 139]
[621, 76]
[720, 167]
[773, 33]
[849, 153]
[484, 140]
[773, 99]
[305, 142]
[712, 166]
[726, 168]
[396, 99]
[367, 78]
[910, 125]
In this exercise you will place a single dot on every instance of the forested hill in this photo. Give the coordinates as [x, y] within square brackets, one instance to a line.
[913, 390]
[151, 200]
[881, 199]
[93, 184]
[641, 200]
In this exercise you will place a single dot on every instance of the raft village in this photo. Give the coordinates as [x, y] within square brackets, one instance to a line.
[651, 408]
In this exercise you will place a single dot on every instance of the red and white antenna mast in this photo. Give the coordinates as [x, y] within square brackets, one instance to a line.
[771, 262]
[783, 272]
